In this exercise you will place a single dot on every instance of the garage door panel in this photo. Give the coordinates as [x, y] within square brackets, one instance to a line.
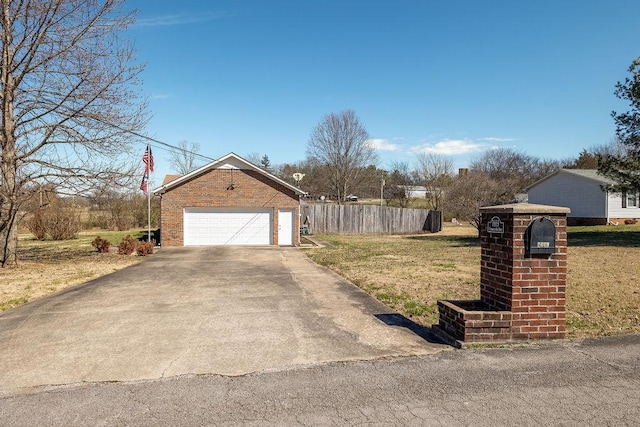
[227, 227]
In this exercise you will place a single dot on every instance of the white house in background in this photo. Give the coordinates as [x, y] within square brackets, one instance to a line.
[415, 191]
[587, 194]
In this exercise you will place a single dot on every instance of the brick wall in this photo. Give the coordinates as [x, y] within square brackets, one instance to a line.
[532, 287]
[251, 190]
[471, 321]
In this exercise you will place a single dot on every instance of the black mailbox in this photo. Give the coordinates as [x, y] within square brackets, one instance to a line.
[540, 237]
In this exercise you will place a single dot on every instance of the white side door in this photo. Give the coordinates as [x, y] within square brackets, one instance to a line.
[285, 228]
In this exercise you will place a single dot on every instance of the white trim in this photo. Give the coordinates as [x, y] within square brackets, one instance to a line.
[230, 161]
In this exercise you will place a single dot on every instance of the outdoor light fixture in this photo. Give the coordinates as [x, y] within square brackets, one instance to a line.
[231, 185]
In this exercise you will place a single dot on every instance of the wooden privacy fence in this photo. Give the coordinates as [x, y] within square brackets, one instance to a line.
[369, 219]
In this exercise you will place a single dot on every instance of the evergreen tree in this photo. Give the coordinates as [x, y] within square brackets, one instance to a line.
[625, 168]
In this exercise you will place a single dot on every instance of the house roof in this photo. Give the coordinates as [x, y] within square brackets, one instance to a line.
[169, 178]
[590, 174]
[230, 161]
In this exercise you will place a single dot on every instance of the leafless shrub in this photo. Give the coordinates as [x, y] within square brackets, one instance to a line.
[55, 222]
[37, 226]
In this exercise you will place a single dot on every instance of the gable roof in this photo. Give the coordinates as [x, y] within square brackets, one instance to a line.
[590, 174]
[230, 161]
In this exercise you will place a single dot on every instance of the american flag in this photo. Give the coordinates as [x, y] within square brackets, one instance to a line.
[143, 184]
[147, 158]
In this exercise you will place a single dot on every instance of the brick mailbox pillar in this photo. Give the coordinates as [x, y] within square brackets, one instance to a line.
[523, 271]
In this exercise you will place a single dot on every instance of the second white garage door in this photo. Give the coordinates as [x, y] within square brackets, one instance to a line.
[214, 227]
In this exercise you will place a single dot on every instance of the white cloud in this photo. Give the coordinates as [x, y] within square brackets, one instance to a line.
[382, 145]
[496, 139]
[451, 147]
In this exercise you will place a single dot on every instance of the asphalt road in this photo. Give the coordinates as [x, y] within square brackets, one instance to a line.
[592, 383]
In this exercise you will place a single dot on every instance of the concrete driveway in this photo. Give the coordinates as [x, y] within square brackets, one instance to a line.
[197, 310]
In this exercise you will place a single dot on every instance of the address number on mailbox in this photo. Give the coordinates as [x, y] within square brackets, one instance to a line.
[540, 237]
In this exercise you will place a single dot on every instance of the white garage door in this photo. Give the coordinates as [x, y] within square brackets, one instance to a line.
[211, 227]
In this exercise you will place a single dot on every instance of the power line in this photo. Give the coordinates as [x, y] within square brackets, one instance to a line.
[169, 146]
[157, 141]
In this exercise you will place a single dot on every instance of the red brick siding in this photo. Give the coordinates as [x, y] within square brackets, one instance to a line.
[532, 287]
[474, 326]
[251, 190]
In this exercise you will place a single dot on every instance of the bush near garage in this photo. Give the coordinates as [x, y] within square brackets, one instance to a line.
[101, 245]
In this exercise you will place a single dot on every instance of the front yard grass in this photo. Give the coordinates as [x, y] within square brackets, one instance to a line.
[411, 273]
[45, 267]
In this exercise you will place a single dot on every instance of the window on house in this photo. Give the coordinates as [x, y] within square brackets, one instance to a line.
[630, 199]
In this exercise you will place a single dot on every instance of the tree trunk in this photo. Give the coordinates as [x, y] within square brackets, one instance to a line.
[8, 165]
[8, 198]
[8, 242]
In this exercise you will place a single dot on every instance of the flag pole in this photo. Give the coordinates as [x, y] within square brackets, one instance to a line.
[149, 186]
[149, 209]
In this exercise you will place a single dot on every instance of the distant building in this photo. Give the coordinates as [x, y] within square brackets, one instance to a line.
[415, 191]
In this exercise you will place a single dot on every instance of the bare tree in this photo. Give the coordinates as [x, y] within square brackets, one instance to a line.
[254, 158]
[513, 170]
[397, 182]
[468, 193]
[69, 102]
[614, 148]
[495, 178]
[183, 160]
[340, 143]
[315, 180]
[436, 172]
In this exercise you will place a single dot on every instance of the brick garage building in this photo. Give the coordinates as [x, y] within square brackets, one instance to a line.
[229, 202]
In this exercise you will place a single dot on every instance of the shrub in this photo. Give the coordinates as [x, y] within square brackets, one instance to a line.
[127, 245]
[144, 248]
[630, 221]
[101, 245]
[63, 224]
[58, 223]
[36, 225]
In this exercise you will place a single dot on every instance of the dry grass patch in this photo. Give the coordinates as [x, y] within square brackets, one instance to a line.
[603, 295]
[47, 267]
[410, 273]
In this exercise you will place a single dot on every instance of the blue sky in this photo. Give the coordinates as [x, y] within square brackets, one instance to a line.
[450, 77]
